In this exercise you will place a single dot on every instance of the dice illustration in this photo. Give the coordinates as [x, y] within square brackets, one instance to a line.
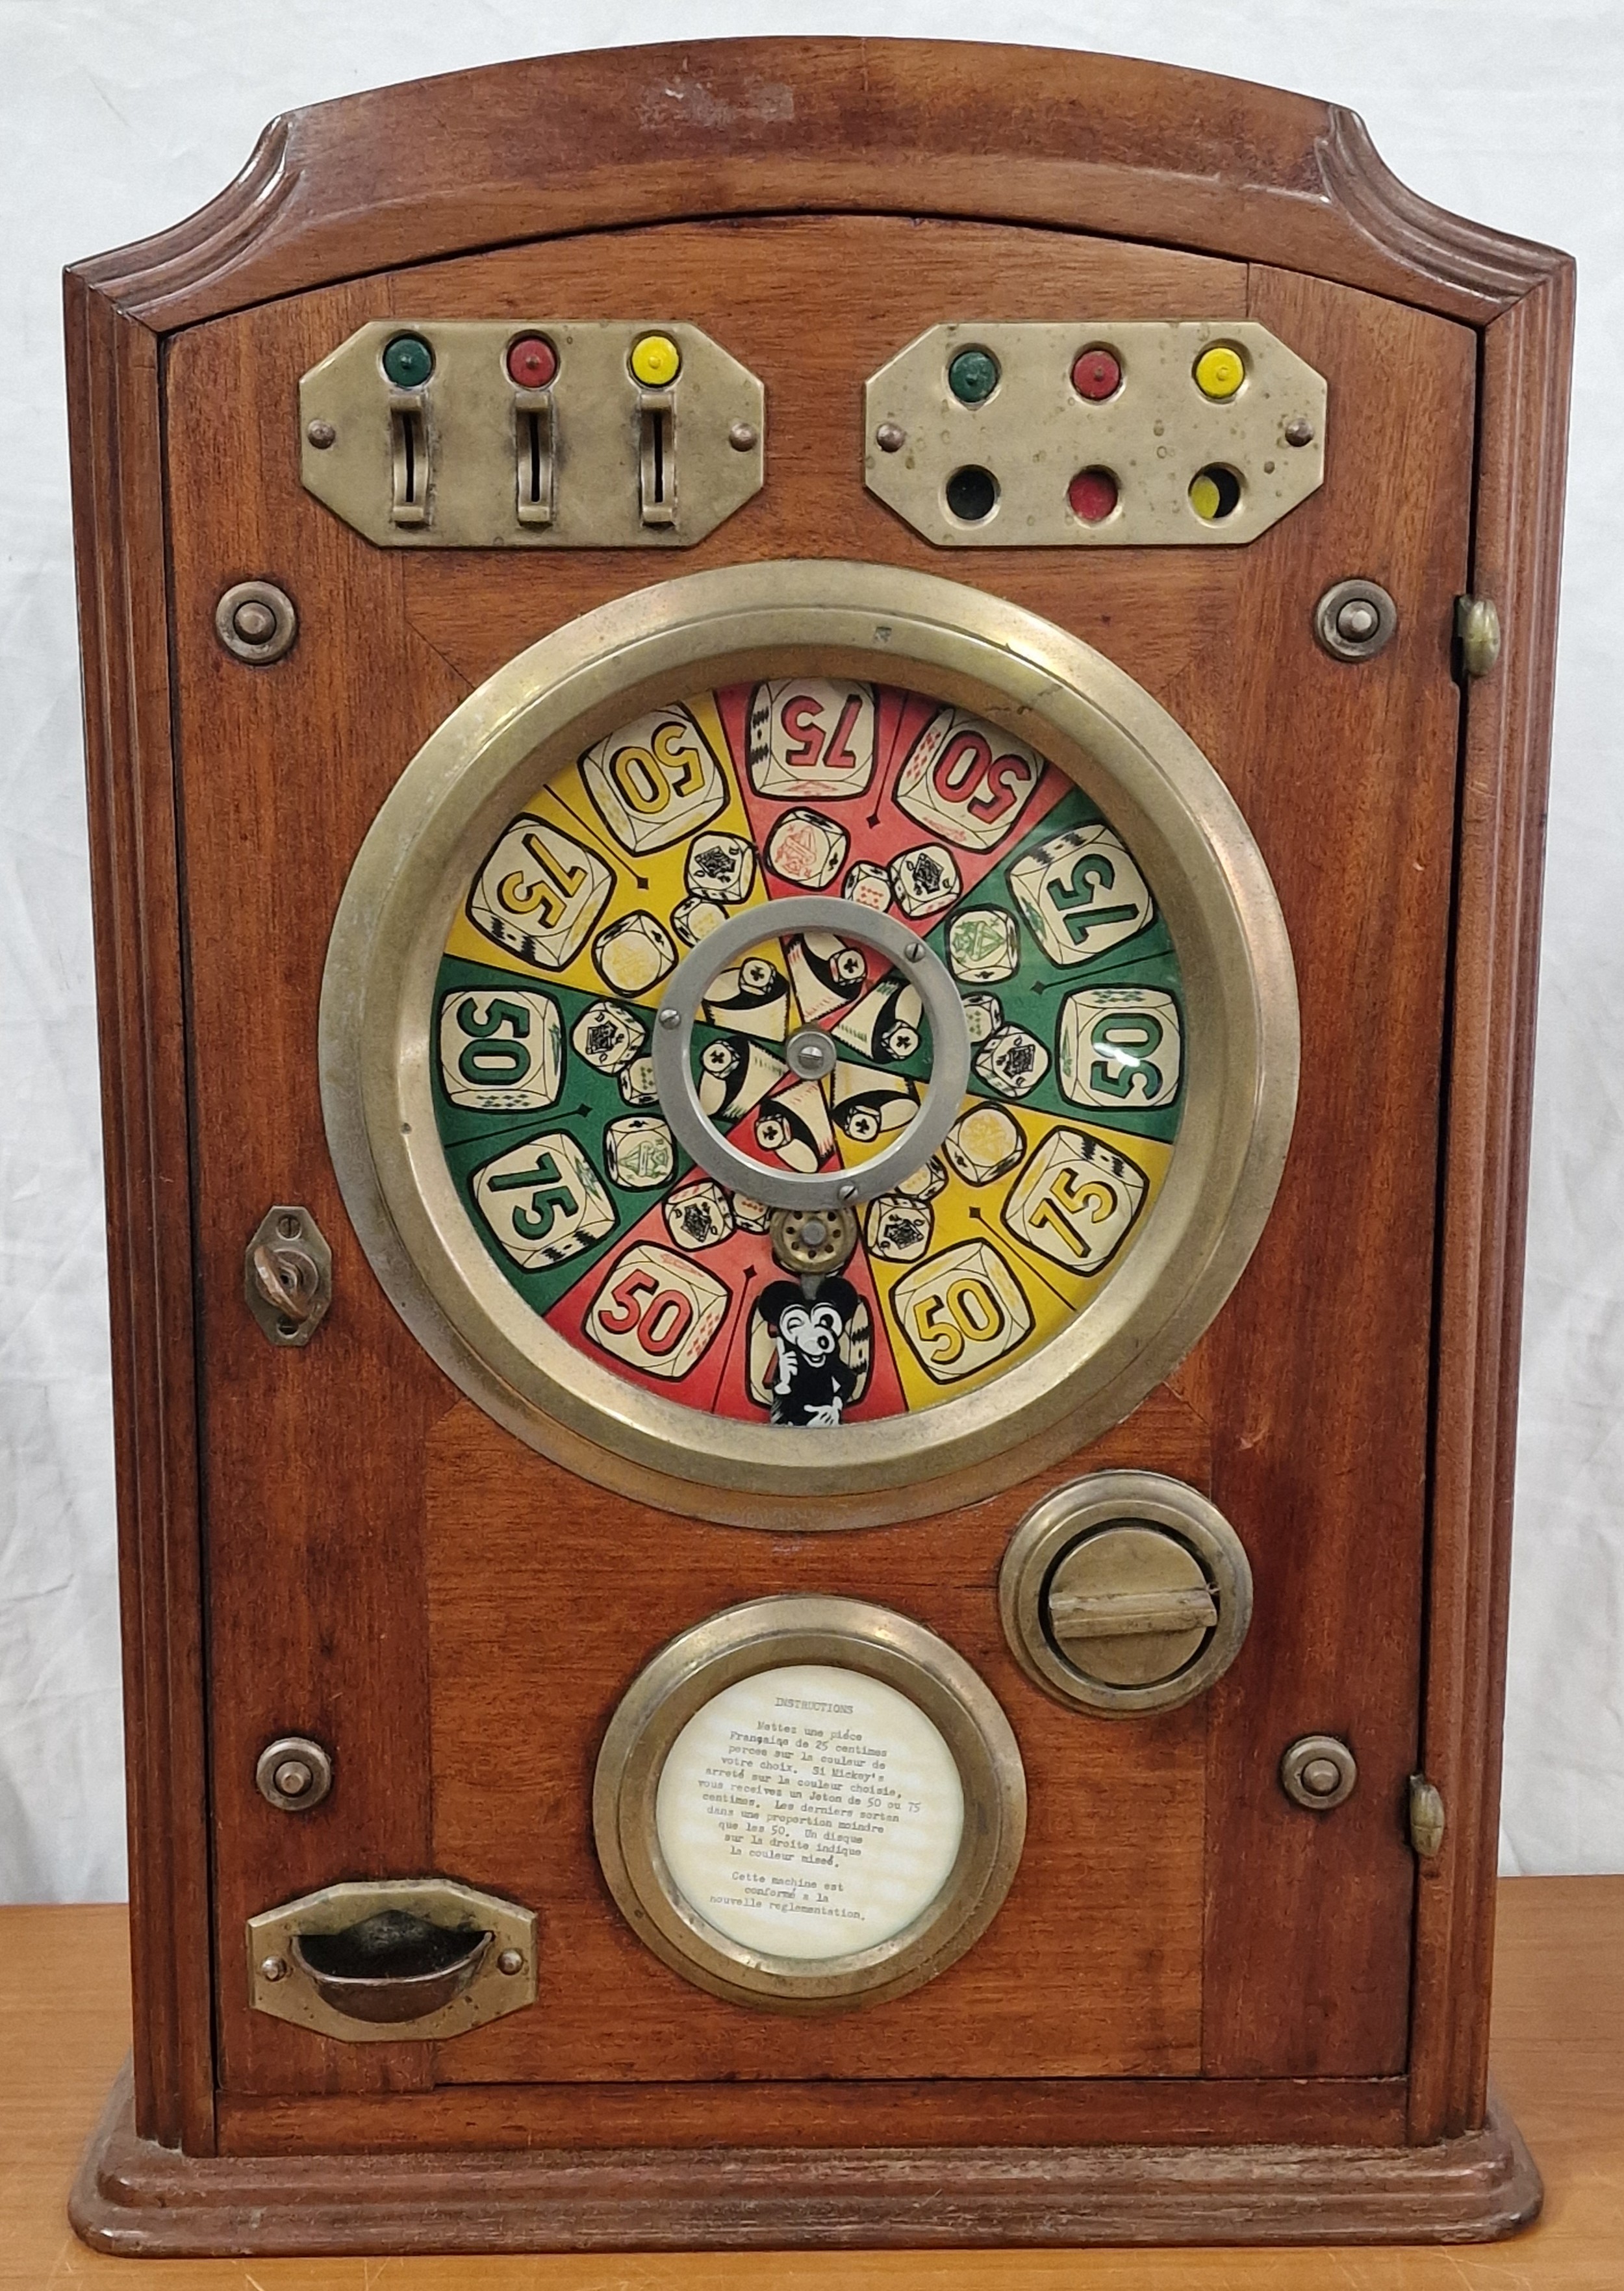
[720, 867]
[751, 997]
[867, 886]
[966, 779]
[826, 973]
[500, 1050]
[925, 880]
[984, 1014]
[699, 1214]
[693, 920]
[656, 1311]
[869, 1106]
[961, 1311]
[983, 947]
[1120, 1046]
[639, 1152]
[898, 1228]
[923, 1184]
[1081, 893]
[636, 1082]
[806, 848]
[654, 781]
[886, 1023]
[634, 954]
[811, 738]
[1012, 1062]
[607, 1037]
[544, 1202]
[982, 1145]
[735, 1073]
[540, 893]
[793, 1127]
[751, 1216]
[1075, 1200]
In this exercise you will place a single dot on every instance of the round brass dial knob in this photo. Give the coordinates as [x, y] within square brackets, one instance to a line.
[1125, 1592]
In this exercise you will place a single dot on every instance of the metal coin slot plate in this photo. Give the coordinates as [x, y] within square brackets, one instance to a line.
[1125, 1592]
[1155, 434]
[847, 1635]
[593, 461]
[292, 1995]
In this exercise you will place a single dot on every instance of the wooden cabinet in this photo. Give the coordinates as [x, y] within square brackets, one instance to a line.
[1191, 1976]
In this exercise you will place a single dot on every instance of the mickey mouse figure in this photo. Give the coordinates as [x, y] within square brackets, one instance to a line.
[808, 1321]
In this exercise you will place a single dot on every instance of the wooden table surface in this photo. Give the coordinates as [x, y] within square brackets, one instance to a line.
[1558, 2060]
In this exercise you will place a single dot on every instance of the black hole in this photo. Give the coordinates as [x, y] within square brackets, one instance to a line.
[972, 495]
[392, 1945]
[1223, 484]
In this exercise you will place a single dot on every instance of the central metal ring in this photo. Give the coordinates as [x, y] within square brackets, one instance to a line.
[824, 1189]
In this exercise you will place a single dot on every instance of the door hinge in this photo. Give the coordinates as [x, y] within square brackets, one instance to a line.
[1477, 632]
[1425, 1817]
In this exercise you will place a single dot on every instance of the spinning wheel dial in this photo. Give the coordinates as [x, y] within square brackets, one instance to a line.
[883, 922]
[983, 898]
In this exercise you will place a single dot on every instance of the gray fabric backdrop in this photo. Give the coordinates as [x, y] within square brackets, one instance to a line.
[122, 116]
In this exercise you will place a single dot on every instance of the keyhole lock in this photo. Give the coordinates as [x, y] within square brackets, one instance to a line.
[1125, 1592]
[288, 1275]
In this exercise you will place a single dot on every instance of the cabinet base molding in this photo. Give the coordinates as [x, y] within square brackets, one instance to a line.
[137, 2198]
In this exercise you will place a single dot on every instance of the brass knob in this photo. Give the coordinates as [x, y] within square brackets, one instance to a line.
[1125, 1592]
[1318, 1772]
[293, 1773]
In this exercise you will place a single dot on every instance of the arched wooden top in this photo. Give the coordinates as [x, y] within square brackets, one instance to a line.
[560, 144]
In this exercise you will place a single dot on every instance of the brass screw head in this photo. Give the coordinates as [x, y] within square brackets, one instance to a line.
[889, 437]
[744, 437]
[273, 1968]
[511, 1961]
[321, 435]
[1298, 432]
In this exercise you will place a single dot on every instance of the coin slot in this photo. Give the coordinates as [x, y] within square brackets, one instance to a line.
[409, 462]
[535, 457]
[1093, 494]
[972, 494]
[657, 462]
[1215, 493]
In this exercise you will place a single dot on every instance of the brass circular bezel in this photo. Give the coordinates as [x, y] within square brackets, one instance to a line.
[749, 622]
[1302, 1754]
[293, 1749]
[763, 1635]
[1354, 649]
[256, 652]
[1062, 1521]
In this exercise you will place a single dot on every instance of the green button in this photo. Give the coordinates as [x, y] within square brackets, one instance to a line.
[972, 376]
[408, 361]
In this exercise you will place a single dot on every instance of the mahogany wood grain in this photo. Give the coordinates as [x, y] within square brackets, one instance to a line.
[562, 145]
[225, 812]
[1558, 2037]
[545, 1599]
[945, 2111]
[115, 420]
[1516, 560]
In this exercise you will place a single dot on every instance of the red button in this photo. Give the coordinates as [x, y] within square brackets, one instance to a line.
[1096, 373]
[532, 362]
[1092, 494]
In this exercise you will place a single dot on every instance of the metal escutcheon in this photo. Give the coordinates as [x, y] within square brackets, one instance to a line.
[1354, 620]
[380, 1959]
[288, 1275]
[1124, 1592]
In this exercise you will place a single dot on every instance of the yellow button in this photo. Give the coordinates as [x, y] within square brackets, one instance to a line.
[1220, 371]
[655, 360]
[1205, 496]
